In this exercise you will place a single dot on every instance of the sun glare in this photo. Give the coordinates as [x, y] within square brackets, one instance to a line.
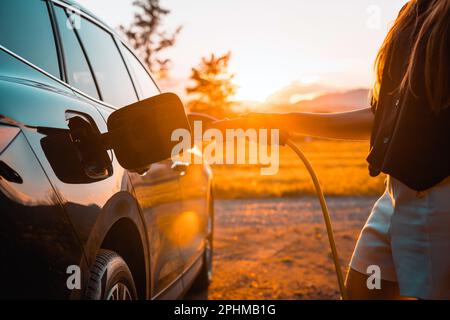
[256, 88]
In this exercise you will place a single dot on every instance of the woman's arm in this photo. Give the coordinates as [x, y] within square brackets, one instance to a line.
[353, 125]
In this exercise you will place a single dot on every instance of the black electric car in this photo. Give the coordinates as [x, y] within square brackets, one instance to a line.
[92, 206]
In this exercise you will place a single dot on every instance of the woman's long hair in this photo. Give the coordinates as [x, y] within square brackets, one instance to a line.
[432, 44]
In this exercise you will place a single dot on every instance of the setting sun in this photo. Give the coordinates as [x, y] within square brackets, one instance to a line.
[273, 43]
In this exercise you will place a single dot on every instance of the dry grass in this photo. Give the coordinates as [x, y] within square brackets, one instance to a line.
[340, 165]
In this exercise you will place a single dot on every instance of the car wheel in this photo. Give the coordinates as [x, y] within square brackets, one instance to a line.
[204, 278]
[110, 278]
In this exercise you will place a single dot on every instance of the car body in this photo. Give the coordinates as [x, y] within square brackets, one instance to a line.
[52, 220]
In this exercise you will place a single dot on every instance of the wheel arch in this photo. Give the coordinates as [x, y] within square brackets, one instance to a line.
[120, 228]
[124, 239]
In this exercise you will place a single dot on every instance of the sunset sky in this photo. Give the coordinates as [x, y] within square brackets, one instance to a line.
[274, 42]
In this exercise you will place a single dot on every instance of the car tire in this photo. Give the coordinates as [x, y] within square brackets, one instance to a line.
[110, 278]
[204, 278]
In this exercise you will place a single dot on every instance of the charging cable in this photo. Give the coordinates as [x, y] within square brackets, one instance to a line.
[285, 140]
[326, 215]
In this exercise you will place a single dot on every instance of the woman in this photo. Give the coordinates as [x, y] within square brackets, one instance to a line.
[408, 232]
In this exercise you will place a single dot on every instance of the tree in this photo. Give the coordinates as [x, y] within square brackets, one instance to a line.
[146, 36]
[212, 87]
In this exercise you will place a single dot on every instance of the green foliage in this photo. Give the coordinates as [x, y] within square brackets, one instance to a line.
[213, 89]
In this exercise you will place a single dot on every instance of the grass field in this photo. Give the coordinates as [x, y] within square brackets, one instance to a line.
[340, 165]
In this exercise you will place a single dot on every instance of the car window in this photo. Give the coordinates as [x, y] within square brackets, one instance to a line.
[108, 66]
[25, 29]
[77, 68]
[144, 83]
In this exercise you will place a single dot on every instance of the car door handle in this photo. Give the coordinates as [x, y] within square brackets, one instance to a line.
[180, 166]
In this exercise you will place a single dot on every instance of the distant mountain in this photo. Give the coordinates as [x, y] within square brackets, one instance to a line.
[328, 102]
[244, 106]
[297, 91]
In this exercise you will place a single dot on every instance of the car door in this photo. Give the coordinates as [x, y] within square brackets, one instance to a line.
[194, 183]
[157, 191]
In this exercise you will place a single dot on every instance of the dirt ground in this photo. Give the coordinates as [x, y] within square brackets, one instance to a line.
[278, 248]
